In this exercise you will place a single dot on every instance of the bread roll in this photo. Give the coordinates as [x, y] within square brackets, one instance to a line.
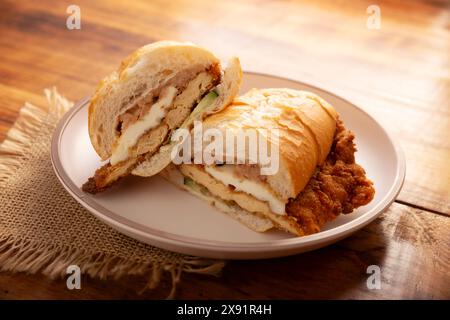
[155, 90]
[306, 127]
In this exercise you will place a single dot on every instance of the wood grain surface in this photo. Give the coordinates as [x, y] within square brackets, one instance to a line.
[398, 73]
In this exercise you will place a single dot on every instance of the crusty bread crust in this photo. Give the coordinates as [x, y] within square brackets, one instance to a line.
[229, 87]
[306, 125]
[146, 68]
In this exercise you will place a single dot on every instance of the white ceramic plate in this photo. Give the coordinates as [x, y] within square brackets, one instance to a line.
[153, 211]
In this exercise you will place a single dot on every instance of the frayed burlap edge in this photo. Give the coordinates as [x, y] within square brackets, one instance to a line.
[18, 255]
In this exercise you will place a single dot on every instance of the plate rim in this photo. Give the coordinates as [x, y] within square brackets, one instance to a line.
[147, 232]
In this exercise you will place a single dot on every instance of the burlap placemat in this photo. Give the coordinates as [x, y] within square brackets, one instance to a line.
[43, 229]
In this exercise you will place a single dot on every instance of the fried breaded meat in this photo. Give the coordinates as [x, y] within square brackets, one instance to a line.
[338, 186]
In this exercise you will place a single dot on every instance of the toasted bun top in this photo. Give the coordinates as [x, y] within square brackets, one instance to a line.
[145, 69]
[306, 125]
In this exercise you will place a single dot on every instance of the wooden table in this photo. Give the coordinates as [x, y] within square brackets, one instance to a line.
[398, 73]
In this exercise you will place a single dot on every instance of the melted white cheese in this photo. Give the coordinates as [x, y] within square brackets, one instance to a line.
[149, 121]
[226, 175]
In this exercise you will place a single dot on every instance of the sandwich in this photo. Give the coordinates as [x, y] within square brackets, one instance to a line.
[316, 179]
[297, 174]
[158, 89]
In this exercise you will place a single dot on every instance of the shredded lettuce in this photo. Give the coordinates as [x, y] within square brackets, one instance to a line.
[188, 182]
[195, 186]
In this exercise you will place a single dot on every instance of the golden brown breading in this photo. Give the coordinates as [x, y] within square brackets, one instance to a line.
[338, 186]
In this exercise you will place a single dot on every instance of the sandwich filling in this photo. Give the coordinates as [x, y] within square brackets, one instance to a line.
[227, 175]
[251, 195]
[161, 110]
[153, 118]
[147, 122]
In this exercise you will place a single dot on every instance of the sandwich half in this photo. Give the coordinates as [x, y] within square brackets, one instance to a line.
[316, 178]
[159, 88]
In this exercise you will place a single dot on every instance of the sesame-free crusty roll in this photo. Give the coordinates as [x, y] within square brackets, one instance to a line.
[157, 89]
